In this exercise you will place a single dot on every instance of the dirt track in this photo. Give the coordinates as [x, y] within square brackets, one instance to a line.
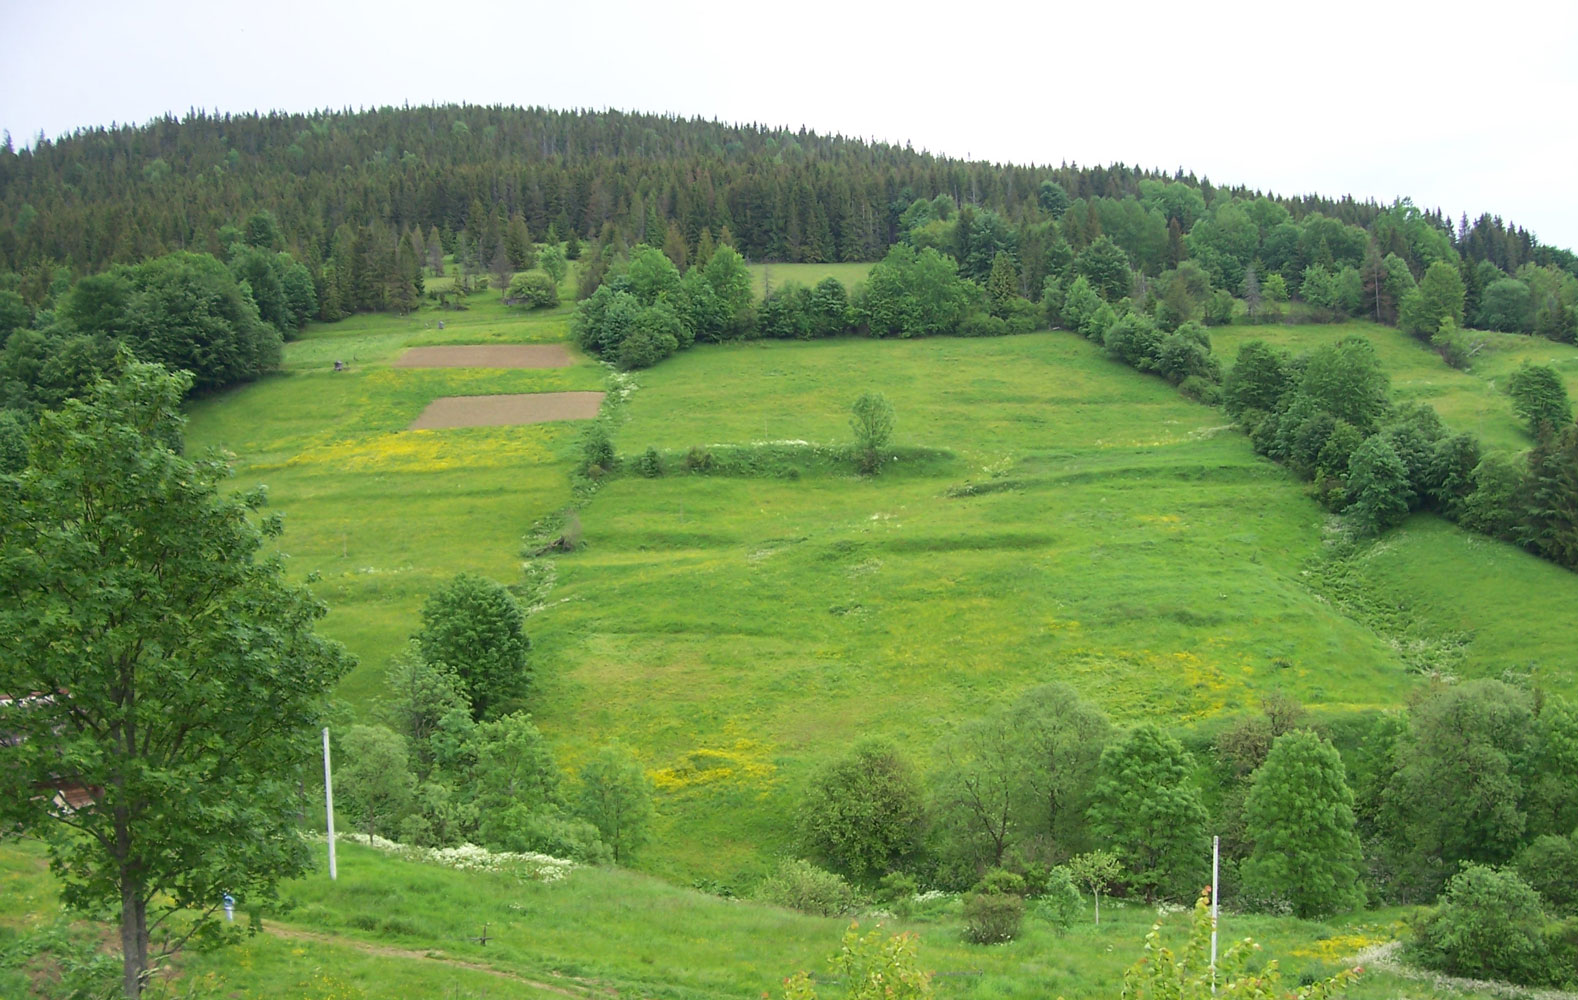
[503, 411]
[487, 356]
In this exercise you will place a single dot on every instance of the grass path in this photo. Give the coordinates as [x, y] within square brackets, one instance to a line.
[385, 951]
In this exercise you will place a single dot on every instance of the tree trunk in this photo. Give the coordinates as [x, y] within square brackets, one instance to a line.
[134, 939]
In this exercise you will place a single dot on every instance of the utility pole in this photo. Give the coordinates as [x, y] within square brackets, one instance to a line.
[328, 802]
[1216, 858]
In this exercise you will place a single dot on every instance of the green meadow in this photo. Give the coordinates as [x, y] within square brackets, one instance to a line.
[1475, 400]
[382, 515]
[1050, 516]
[767, 276]
[1047, 514]
[389, 929]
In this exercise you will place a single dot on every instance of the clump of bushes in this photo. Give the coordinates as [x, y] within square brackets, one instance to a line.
[533, 290]
[994, 911]
[1490, 924]
[800, 885]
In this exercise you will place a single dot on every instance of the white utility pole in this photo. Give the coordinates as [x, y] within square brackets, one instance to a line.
[328, 802]
[1216, 857]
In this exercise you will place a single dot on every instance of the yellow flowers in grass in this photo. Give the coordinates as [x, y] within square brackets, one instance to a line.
[431, 451]
[744, 761]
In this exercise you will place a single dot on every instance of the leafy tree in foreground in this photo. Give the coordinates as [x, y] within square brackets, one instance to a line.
[865, 814]
[871, 967]
[473, 627]
[179, 677]
[1149, 813]
[1300, 818]
[1161, 974]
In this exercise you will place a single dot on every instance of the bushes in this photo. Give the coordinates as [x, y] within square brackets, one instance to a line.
[1489, 925]
[994, 911]
[533, 290]
[800, 885]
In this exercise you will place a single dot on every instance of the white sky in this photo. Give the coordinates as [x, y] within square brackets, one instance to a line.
[1466, 108]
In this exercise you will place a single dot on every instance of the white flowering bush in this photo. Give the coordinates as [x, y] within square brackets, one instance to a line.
[471, 858]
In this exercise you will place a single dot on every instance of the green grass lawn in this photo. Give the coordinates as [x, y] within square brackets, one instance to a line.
[1475, 400]
[390, 929]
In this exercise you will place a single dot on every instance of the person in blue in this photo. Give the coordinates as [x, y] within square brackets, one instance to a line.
[230, 908]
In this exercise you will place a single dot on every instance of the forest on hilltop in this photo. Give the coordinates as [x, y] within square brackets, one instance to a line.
[118, 195]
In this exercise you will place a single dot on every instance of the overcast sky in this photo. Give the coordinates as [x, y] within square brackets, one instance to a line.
[1466, 108]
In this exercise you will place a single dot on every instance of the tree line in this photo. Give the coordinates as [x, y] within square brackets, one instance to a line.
[1467, 798]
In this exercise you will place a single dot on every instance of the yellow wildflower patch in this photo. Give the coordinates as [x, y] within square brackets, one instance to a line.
[1339, 947]
[744, 761]
[428, 451]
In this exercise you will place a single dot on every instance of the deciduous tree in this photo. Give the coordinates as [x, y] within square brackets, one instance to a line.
[1299, 817]
[159, 663]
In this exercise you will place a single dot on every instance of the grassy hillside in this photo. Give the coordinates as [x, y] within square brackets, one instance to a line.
[1054, 516]
[1050, 515]
[391, 929]
[1475, 400]
[384, 514]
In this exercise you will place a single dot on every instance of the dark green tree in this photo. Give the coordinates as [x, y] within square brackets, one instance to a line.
[185, 680]
[1539, 396]
[1104, 264]
[472, 627]
[1458, 791]
[1002, 285]
[1259, 378]
[864, 814]
[1378, 488]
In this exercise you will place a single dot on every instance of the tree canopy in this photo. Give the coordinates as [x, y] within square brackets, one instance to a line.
[157, 661]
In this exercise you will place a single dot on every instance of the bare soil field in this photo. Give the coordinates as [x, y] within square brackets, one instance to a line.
[501, 411]
[487, 356]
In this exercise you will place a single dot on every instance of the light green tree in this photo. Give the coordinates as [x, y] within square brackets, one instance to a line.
[616, 798]
[373, 774]
[1096, 871]
[1299, 815]
[871, 418]
[185, 681]
[1162, 974]
[1148, 811]
[553, 264]
[875, 966]
[1439, 297]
